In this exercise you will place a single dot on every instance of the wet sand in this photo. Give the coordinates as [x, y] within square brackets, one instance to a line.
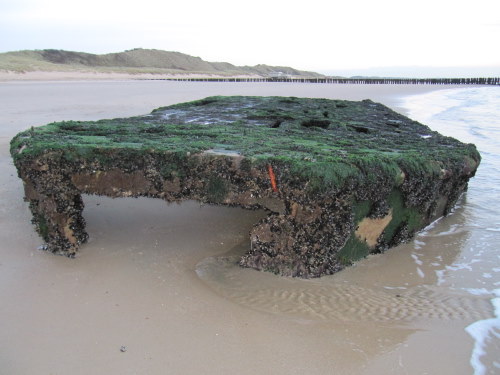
[159, 279]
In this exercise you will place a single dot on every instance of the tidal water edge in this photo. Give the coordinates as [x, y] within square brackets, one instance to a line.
[473, 115]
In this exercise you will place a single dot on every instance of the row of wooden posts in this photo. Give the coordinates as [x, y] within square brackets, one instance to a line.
[384, 81]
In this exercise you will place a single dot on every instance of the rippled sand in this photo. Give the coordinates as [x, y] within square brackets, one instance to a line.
[157, 291]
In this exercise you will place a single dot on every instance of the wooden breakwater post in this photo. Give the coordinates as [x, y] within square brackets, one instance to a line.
[361, 81]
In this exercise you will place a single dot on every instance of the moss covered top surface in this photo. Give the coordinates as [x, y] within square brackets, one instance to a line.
[333, 139]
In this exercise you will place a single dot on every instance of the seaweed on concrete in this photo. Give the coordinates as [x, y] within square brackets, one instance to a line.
[334, 163]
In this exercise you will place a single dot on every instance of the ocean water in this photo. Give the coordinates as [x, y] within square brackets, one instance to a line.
[472, 115]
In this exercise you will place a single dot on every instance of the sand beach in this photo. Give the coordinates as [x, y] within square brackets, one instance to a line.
[155, 292]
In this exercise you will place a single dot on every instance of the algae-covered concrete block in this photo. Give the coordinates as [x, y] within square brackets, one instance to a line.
[340, 179]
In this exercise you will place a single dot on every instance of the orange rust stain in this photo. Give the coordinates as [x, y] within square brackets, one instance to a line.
[272, 177]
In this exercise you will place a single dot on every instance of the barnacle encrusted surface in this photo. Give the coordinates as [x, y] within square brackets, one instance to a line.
[340, 179]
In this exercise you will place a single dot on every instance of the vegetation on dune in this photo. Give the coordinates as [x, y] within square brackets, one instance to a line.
[134, 61]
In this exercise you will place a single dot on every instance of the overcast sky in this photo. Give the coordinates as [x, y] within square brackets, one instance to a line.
[320, 35]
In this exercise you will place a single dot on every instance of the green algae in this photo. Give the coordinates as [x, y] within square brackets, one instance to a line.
[42, 227]
[217, 189]
[361, 210]
[357, 142]
[402, 216]
[354, 249]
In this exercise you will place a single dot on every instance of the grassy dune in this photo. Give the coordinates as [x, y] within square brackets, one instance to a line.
[136, 61]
